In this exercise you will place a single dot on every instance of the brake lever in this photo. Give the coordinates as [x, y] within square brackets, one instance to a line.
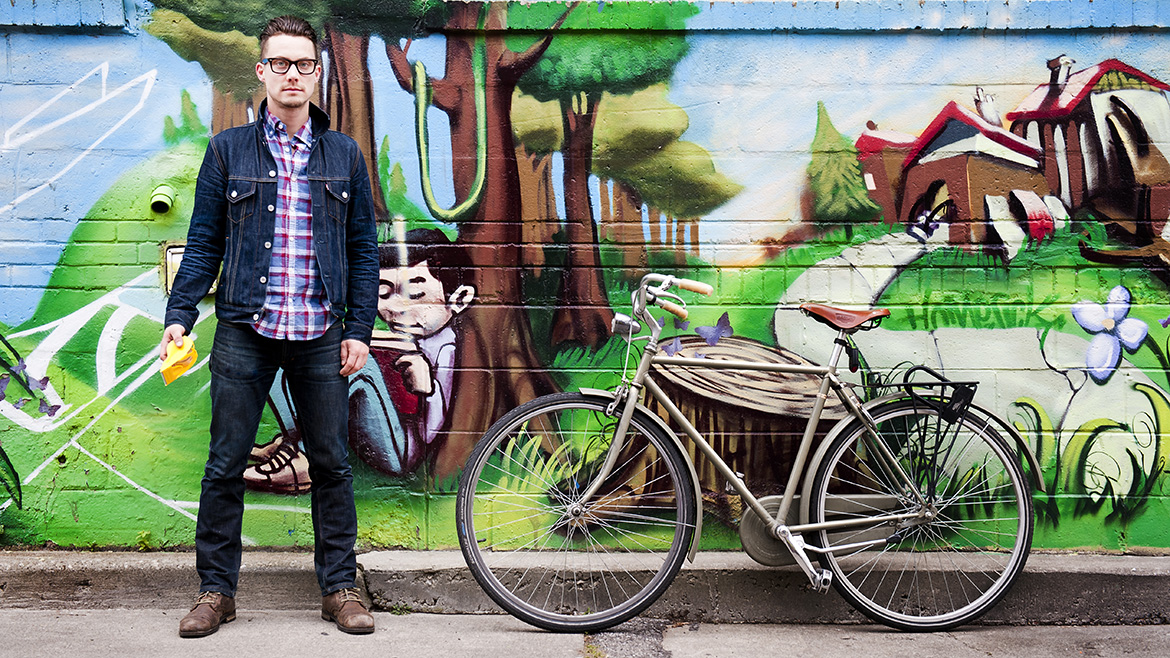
[668, 295]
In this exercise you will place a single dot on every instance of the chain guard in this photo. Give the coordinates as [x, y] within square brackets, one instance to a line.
[758, 541]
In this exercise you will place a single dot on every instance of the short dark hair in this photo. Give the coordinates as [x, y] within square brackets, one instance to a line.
[292, 26]
[447, 262]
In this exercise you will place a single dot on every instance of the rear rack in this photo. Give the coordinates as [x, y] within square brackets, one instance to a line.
[950, 399]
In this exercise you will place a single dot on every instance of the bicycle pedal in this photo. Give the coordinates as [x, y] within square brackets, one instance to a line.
[824, 581]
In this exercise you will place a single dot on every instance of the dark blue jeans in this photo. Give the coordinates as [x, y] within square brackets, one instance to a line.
[243, 366]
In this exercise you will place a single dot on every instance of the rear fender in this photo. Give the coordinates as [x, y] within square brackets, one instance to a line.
[989, 418]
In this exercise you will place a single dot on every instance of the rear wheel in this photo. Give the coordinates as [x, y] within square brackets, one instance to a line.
[962, 539]
[547, 555]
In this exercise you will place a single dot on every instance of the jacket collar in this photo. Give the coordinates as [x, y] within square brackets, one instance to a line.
[317, 117]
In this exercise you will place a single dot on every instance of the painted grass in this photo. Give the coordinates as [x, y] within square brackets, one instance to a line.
[957, 288]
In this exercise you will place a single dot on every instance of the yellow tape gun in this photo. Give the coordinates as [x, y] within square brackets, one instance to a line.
[179, 359]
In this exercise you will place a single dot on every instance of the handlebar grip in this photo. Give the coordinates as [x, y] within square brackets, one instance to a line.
[695, 286]
[671, 307]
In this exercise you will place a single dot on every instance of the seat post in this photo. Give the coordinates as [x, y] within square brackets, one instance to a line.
[838, 348]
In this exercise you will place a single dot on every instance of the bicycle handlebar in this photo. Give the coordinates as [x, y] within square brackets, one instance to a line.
[653, 288]
[695, 286]
[671, 307]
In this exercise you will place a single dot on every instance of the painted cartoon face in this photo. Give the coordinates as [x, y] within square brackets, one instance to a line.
[412, 300]
[291, 89]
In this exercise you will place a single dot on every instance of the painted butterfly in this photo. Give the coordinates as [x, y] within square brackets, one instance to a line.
[712, 335]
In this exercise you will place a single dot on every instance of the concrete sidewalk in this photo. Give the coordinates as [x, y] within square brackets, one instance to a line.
[717, 588]
[145, 633]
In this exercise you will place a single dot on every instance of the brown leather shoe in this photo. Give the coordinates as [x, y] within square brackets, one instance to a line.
[210, 609]
[345, 608]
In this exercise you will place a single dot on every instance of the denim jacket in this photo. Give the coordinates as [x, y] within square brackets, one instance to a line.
[234, 219]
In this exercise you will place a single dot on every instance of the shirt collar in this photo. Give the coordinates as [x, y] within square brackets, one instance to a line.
[275, 126]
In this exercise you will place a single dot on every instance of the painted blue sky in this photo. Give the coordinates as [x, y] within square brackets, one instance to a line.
[752, 98]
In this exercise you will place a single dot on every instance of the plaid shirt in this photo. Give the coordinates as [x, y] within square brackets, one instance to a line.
[295, 305]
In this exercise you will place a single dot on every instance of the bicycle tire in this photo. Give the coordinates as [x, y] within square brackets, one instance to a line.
[569, 572]
[930, 573]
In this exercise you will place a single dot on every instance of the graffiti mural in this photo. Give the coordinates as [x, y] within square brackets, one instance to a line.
[1006, 196]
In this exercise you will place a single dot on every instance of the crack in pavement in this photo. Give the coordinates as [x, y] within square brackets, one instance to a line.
[637, 638]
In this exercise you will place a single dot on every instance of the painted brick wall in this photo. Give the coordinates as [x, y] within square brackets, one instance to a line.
[995, 173]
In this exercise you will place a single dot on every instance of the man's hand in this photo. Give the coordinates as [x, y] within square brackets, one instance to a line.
[174, 333]
[416, 373]
[353, 356]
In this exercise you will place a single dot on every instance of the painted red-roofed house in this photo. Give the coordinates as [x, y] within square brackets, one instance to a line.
[1104, 131]
[957, 162]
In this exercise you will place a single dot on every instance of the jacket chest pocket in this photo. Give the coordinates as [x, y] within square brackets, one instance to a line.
[337, 199]
[241, 198]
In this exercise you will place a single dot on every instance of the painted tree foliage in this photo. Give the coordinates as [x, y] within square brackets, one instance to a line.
[639, 162]
[226, 57]
[637, 145]
[577, 69]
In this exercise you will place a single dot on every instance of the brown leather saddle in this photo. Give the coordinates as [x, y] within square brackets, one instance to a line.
[843, 318]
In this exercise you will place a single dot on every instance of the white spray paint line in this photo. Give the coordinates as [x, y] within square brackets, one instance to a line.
[173, 504]
[152, 367]
[73, 442]
[63, 330]
[148, 77]
[107, 343]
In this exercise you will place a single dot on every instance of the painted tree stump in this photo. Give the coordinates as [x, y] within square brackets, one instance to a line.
[754, 420]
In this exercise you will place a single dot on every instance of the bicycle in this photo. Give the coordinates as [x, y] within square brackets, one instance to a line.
[576, 510]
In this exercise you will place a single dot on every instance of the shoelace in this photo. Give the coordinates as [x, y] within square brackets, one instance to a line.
[207, 597]
[348, 594]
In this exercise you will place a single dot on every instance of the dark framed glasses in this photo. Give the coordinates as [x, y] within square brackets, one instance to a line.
[280, 65]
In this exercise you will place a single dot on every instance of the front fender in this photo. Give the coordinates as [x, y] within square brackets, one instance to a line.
[662, 424]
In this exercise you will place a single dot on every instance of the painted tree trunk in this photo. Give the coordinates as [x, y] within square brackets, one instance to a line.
[583, 314]
[228, 112]
[495, 356]
[629, 235]
[350, 102]
[538, 207]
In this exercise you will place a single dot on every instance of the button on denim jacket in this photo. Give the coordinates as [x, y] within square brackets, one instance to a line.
[234, 220]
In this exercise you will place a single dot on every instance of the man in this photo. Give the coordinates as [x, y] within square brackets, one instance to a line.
[283, 204]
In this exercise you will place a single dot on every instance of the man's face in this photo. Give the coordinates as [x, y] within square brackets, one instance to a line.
[411, 300]
[290, 90]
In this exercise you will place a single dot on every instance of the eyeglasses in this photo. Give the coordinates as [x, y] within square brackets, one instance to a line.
[280, 65]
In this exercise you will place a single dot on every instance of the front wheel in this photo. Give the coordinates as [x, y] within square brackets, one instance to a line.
[547, 555]
[940, 520]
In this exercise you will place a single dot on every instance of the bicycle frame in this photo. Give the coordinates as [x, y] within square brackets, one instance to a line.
[790, 535]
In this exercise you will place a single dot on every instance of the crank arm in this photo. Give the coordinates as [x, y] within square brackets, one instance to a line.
[820, 579]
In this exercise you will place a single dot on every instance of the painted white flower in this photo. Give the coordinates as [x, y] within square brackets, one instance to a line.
[1113, 330]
